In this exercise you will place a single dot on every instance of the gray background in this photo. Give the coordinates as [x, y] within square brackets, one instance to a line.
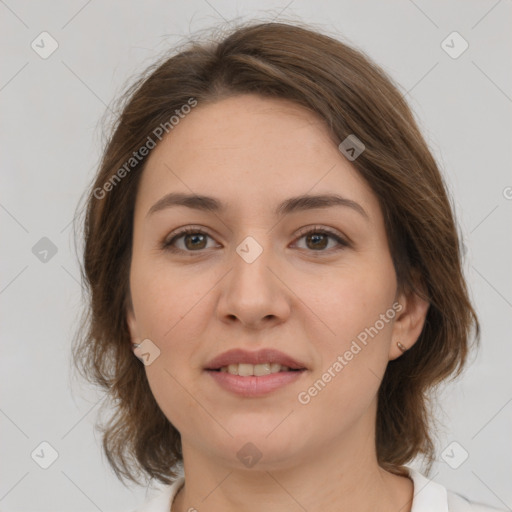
[51, 134]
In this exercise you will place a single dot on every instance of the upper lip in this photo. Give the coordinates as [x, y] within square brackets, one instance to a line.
[266, 355]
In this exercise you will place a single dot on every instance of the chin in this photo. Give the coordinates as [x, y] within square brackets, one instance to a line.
[258, 453]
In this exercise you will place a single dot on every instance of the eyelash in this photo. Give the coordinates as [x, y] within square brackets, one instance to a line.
[168, 242]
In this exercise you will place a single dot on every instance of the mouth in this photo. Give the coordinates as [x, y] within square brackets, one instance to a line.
[254, 370]
[254, 381]
[254, 374]
[259, 363]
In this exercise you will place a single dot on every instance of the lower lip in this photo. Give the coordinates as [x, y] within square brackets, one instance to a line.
[254, 386]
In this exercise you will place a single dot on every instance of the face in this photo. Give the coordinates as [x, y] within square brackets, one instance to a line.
[313, 281]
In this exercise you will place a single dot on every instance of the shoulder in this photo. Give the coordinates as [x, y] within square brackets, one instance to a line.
[458, 503]
[431, 496]
[161, 498]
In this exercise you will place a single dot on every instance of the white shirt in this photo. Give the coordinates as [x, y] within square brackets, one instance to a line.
[429, 496]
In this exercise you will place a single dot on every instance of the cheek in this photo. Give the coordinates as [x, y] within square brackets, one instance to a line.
[356, 310]
[170, 312]
[165, 300]
[346, 384]
[167, 388]
[350, 301]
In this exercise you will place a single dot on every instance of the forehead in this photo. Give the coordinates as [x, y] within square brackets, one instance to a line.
[250, 147]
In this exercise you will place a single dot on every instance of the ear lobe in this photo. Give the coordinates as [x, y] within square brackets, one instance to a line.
[408, 324]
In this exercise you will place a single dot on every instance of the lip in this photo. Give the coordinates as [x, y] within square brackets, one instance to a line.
[254, 386]
[267, 355]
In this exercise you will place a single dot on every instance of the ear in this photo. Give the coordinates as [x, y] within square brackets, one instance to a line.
[409, 321]
[132, 325]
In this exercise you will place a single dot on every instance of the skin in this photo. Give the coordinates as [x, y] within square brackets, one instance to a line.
[311, 303]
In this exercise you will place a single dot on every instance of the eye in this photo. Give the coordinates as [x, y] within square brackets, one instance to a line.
[317, 239]
[194, 240]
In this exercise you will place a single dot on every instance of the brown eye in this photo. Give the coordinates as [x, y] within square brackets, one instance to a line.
[187, 240]
[317, 239]
[194, 241]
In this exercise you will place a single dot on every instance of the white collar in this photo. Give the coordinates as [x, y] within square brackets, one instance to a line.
[428, 495]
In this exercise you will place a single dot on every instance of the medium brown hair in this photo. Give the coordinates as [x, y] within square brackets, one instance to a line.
[354, 97]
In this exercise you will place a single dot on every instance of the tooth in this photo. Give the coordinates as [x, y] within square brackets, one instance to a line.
[245, 370]
[258, 370]
[233, 369]
[275, 367]
[262, 369]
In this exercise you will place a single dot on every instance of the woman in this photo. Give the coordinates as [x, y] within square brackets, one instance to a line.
[275, 279]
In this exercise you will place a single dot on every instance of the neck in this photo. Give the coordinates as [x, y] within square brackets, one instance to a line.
[323, 480]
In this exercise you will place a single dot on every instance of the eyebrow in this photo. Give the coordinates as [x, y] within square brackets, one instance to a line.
[291, 205]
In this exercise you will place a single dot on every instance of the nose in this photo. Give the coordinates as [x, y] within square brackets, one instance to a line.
[254, 292]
